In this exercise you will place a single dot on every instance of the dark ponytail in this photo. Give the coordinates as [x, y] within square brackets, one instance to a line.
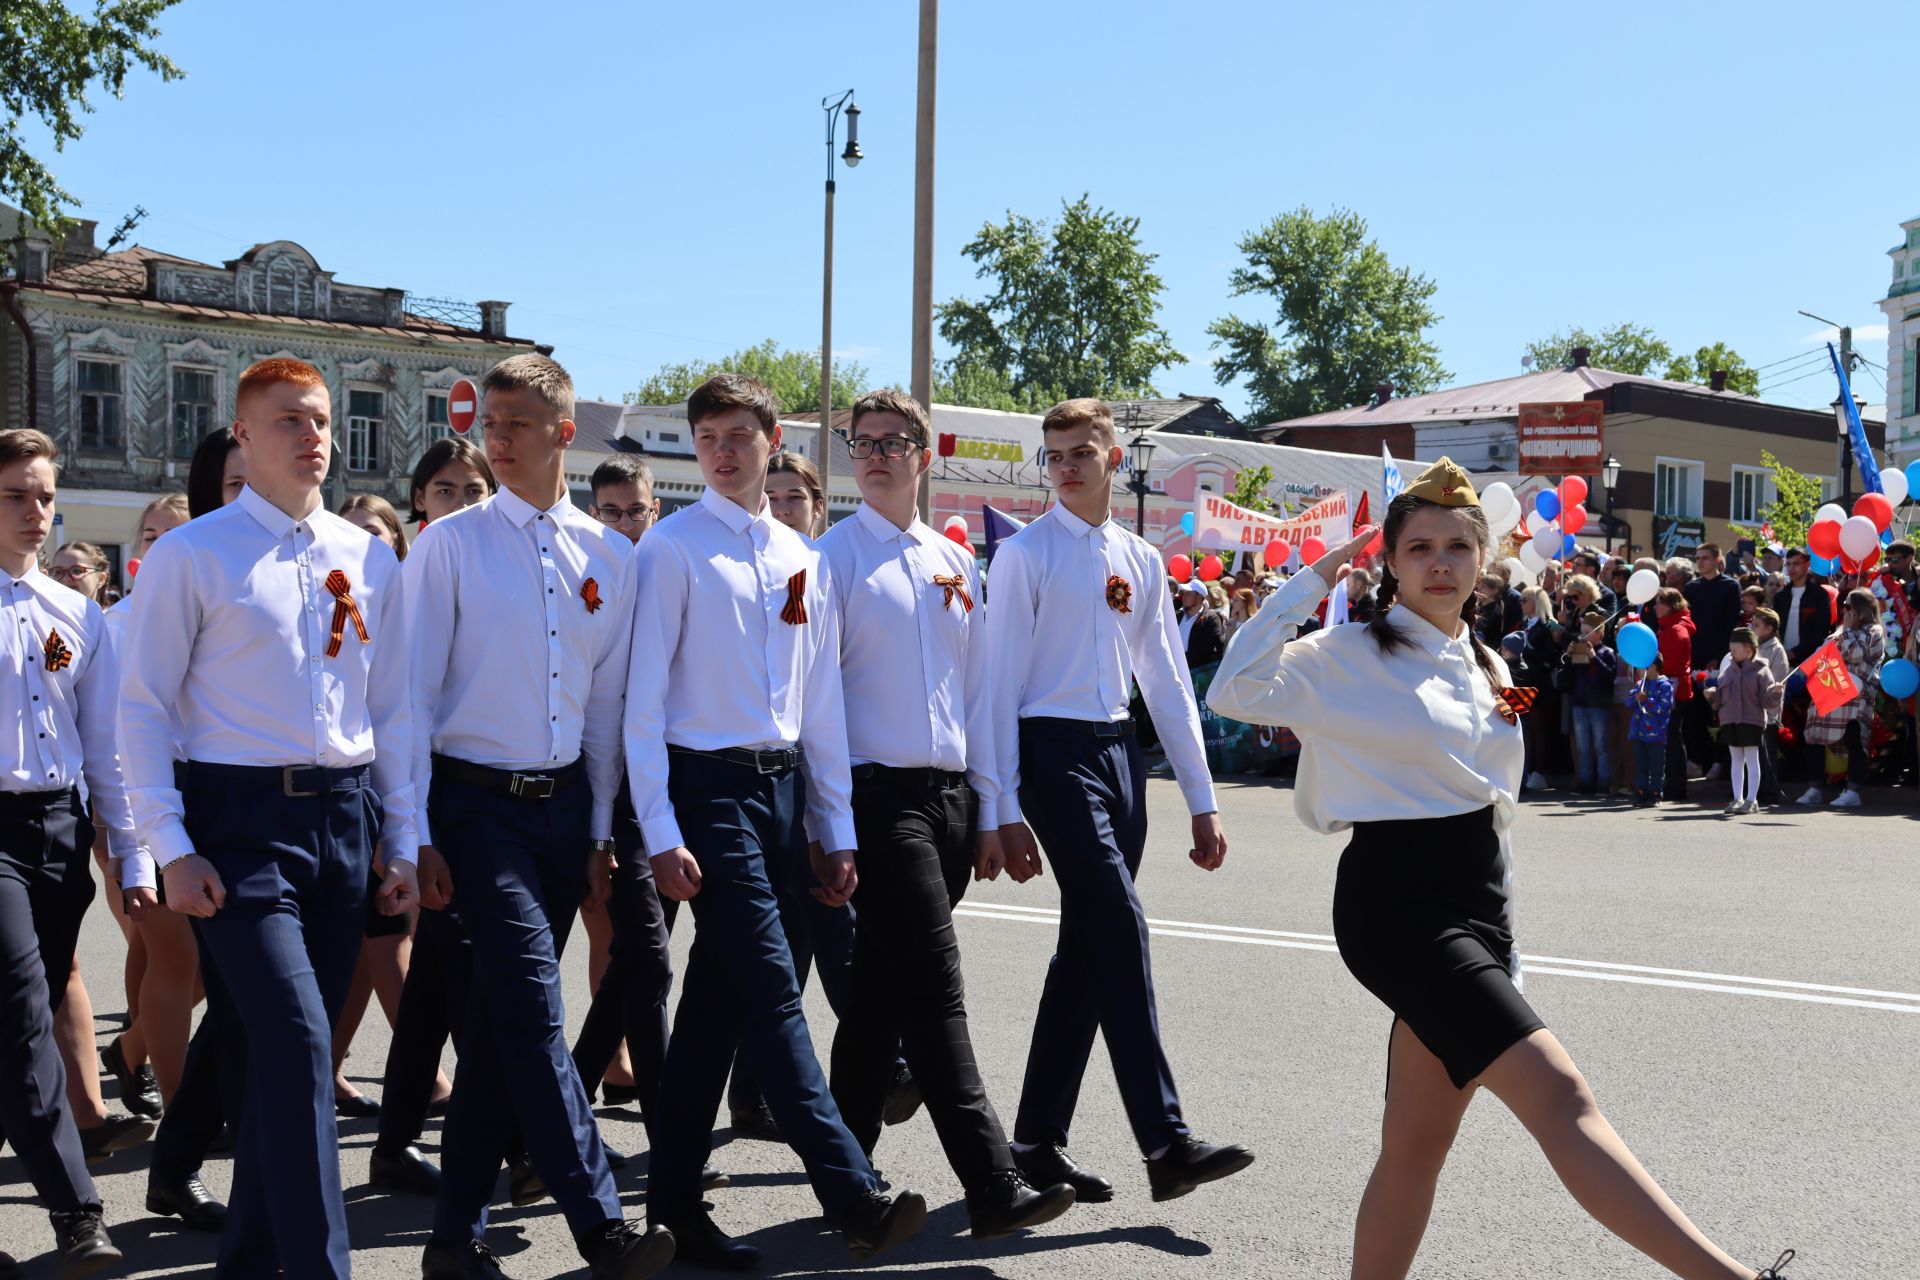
[1391, 638]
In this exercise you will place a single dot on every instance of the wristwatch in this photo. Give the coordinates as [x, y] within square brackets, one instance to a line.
[601, 846]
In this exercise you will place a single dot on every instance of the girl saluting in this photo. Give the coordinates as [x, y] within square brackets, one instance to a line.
[1407, 740]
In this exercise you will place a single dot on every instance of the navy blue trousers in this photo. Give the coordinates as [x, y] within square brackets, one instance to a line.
[519, 873]
[213, 1084]
[1083, 790]
[740, 989]
[284, 948]
[433, 1006]
[46, 886]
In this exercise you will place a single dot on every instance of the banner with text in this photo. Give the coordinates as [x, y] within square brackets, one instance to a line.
[1561, 439]
[1219, 525]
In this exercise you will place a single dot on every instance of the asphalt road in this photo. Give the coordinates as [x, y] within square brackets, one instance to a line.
[1743, 994]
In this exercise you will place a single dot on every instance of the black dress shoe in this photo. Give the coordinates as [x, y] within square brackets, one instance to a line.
[711, 1179]
[757, 1123]
[189, 1201]
[903, 1096]
[1048, 1165]
[115, 1133]
[9, 1267]
[404, 1170]
[877, 1221]
[81, 1244]
[524, 1184]
[459, 1260]
[1190, 1162]
[357, 1106]
[139, 1089]
[630, 1251]
[1773, 1272]
[1006, 1204]
[697, 1242]
[619, 1095]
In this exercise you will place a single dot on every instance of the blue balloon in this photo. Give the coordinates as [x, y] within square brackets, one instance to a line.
[1913, 477]
[1186, 523]
[1886, 538]
[1637, 645]
[1546, 504]
[1822, 565]
[1899, 679]
[1566, 548]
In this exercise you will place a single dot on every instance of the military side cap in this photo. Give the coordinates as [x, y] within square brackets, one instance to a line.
[1446, 484]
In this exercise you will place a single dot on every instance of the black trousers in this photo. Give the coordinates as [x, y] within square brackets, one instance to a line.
[1677, 753]
[46, 885]
[213, 1084]
[433, 1004]
[915, 857]
[1855, 744]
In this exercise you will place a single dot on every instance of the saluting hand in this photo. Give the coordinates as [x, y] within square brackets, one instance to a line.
[1209, 842]
[990, 855]
[1328, 565]
[675, 874]
[138, 902]
[399, 889]
[1022, 853]
[436, 882]
[194, 887]
[835, 873]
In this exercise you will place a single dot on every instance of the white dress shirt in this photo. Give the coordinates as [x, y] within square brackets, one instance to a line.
[714, 666]
[229, 630]
[59, 689]
[1792, 635]
[913, 652]
[1058, 648]
[512, 666]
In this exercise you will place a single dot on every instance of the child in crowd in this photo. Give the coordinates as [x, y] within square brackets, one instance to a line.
[1745, 694]
[1652, 708]
[1766, 627]
[1586, 677]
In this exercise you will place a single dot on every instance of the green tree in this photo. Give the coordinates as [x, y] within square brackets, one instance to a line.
[1072, 313]
[1348, 318]
[1795, 499]
[792, 376]
[1698, 368]
[49, 57]
[1625, 348]
[1250, 489]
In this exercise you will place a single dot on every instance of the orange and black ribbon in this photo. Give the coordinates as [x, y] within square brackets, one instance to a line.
[590, 595]
[1514, 703]
[1119, 594]
[796, 611]
[953, 584]
[58, 656]
[343, 608]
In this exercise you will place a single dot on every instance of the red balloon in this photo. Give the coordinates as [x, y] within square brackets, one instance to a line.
[957, 533]
[1311, 550]
[970, 551]
[1824, 539]
[133, 570]
[1276, 552]
[1573, 492]
[1210, 568]
[1181, 568]
[1573, 519]
[1875, 507]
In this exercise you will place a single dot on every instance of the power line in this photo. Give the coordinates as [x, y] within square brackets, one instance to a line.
[1775, 386]
[1804, 355]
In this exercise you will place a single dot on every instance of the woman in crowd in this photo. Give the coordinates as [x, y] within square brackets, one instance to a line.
[217, 473]
[451, 475]
[1863, 645]
[795, 496]
[1674, 629]
[1408, 741]
[1241, 608]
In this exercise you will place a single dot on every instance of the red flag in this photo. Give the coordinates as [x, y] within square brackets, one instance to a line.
[1360, 512]
[1828, 683]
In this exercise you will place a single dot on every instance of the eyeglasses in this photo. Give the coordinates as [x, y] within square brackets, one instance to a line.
[615, 515]
[894, 447]
[73, 572]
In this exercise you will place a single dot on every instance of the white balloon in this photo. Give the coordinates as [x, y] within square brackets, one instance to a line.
[1894, 482]
[1530, 558]
[1642, 586]
[1858, 537]
[1497, 497]
[1831, 511]
[1501, 525]
[1548, 541]
[959, 522]
[1521, 575]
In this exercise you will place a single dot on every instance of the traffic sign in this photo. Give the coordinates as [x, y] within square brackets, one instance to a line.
[463, 405]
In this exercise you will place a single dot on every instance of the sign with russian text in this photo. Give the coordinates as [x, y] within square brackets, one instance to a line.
[1219, 525]
[1561, 439]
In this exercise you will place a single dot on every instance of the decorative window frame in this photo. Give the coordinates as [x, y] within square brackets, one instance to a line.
[102, 346]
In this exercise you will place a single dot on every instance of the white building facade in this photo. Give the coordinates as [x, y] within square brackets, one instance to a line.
[1902, 308]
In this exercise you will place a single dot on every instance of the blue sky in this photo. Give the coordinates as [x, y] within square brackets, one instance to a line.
[643, 180]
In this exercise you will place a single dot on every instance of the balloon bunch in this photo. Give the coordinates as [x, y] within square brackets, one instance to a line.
[1184, 569]
[1549, 535]
[956, 531]
[1851, 543]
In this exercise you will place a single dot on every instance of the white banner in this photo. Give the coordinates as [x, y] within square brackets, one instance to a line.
[1219, 525]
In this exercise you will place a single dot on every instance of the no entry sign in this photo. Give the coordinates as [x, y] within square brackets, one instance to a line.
[463, 405]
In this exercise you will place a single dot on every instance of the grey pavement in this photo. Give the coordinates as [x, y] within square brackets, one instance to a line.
[1755, 1040]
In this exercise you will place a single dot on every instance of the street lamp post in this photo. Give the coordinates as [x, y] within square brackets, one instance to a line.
[833, 106]
[1141, 447]
[1609, 477]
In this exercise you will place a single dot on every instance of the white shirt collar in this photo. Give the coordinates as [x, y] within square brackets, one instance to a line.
[731, 513]
[885, 530]
[24, 580]
[1424, 633]
[271, 518]
[520, 511]
[1076, 526]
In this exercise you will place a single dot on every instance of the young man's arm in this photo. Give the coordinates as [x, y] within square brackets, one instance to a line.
[96, 703]
[823, 733]
[1168, 691]
[390, 711]
[430, 583]
[607, 705]
[982, 764]
[660, 600]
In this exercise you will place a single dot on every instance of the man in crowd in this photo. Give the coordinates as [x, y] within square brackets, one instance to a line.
[1713, 600]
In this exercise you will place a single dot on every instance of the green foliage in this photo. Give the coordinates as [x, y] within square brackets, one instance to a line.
[1790, 514]
[49, 56]
[1347, 319]
[1250, 489]
[1072, 313]
[792, 376]
[1698, 368]
[1625, 348]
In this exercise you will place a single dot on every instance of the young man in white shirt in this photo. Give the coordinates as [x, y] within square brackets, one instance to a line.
[267, 641]
[519, 658]
[1077, 614]
[919, 734]
[58, 683]
[734, 686]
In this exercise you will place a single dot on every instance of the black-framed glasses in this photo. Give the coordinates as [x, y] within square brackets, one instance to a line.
[893, 447]
[614, 515]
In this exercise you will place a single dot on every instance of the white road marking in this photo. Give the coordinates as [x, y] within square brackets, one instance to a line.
[1554, 966]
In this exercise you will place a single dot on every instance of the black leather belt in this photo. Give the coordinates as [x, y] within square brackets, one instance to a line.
[1092, 728]
[931, 779]
[296, 781]
[524, 786]
[766, 762]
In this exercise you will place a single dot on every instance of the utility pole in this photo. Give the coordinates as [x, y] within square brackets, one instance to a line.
[1843, 462]
[923, 228]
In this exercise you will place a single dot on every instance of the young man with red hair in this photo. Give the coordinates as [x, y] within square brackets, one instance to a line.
[273, 630]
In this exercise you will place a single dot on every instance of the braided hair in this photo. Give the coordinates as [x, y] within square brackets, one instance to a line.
[1391, 638]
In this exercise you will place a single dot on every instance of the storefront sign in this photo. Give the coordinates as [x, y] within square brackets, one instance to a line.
[1561, 439]
[1675, 536]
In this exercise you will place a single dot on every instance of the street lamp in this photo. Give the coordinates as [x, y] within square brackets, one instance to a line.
[1141, 447]
[1609, 477]
[833, 106]
[1845, 430]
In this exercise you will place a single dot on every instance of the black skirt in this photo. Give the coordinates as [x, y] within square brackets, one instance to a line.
[1421, 916]
[1741, 735]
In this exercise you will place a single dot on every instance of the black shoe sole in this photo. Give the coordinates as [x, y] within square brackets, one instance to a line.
[909, 1215]
[132, 1136]
[717, 1181]
[1190, 1184]
[1045, 1209]
[91, 1265]
[650, 1259]
[756, 1130]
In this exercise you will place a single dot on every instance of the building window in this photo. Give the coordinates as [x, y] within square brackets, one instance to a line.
[1677, 487]
[97, 383]
[193, 409]
[366, 414]
[437, 426]
[1752, 490]
[669, 437]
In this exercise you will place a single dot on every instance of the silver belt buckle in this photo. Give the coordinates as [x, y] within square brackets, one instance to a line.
[530, 786]
[286, 782]
[767, 763]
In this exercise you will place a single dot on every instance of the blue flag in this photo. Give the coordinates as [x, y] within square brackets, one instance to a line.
[998, 526]
[1391, 481]
[1862, 451]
